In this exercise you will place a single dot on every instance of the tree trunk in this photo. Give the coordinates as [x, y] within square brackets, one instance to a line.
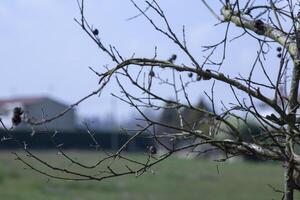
[293, 107]
[288, 176]
[288, 185]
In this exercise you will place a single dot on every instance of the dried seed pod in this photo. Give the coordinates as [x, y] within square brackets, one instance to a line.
[152, 150]
[17, 113]
[259, 25]
[279, 49]
[95, 32]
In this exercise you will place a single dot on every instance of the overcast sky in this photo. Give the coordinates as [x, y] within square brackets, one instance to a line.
[44, 52]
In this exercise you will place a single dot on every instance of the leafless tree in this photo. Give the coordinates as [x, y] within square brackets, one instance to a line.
[274, 25]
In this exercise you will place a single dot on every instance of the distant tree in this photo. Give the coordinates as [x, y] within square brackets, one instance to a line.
[273, 25]
[186, 118]
[169, 116]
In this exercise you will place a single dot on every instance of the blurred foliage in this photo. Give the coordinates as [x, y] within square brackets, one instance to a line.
[249, 130]
[191, 119]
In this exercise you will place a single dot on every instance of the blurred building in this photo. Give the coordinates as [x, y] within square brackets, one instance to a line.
[36, 109]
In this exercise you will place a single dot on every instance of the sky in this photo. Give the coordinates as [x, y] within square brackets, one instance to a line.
[45, 53]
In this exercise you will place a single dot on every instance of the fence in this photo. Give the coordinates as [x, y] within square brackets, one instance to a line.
[79, 139]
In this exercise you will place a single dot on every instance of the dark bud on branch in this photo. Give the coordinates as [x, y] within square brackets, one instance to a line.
[95, 32]
[17, 113]
[275, 119]
[204, 77]
[218, 118]
[199, 78]
[172, 58]
[260, 26]
[190, 74]
[279, 55]
[151, 73]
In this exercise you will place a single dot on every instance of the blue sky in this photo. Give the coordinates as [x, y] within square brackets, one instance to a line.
[44, 52]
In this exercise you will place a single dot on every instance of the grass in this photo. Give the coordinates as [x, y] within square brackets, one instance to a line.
[174, 179]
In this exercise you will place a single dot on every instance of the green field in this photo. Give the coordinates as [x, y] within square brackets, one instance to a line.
[175, 179]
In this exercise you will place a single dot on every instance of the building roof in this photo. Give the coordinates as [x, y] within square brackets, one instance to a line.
[23, 100]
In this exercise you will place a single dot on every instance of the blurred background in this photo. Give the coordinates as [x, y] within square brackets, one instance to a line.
[45, 60]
